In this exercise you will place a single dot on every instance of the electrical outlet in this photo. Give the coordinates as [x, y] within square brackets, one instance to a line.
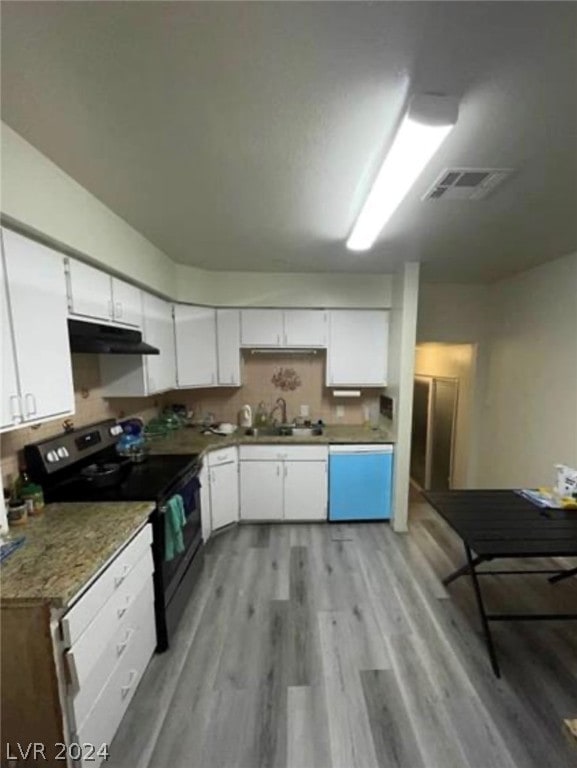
[340, 411]
[305, 411]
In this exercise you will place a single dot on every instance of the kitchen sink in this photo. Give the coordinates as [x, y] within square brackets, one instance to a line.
[283, 430]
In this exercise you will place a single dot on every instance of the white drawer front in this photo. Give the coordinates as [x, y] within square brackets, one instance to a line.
[87, 650]
[222, 456]
[283, 452]
[137, 619]
[104, 718]
[85, 609]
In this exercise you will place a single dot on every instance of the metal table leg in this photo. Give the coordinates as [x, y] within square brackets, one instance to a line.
[484, 621]
[563, 575]
[463, 570]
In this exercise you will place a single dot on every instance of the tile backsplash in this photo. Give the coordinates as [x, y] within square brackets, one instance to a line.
[306, 373]
[297, 378]
[90, 407]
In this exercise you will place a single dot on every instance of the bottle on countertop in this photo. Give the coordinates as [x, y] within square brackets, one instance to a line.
[31, 493]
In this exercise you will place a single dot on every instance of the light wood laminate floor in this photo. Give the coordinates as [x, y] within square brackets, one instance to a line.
[336, 646]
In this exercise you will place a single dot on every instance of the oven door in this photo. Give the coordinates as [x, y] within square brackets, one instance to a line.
[172, 577]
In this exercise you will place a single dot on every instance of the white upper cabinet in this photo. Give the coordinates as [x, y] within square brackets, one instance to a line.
[305, 328]
[127, 303]
[89, 291]
[95, 295]
[261, 327]
[142, 375]
[39, 360]
[284, 328]
[195, 329]
[228, 347]
[358, 348]
[10, 404]
[159, 331]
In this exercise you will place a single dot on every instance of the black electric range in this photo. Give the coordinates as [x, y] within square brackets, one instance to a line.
[83, 465]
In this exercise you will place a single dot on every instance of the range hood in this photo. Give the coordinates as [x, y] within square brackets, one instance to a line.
[107, 340]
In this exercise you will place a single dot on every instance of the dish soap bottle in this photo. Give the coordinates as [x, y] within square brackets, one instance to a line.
[261, 418]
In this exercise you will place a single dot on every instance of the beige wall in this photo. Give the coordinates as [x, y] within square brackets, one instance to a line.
[258, 371]
[90, 407]
[524, 415]
[530, 401]
[454, 361]
[261, 289]
[401, 364]
[41, 198]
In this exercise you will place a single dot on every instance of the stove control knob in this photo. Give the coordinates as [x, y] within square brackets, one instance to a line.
[62, 452]
[51, 457]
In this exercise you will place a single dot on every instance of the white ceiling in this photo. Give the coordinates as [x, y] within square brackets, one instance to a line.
[244, 136]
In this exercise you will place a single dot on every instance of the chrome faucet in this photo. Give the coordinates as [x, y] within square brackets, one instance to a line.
[280, 403]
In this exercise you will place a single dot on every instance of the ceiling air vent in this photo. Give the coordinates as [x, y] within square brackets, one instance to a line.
[466, 183]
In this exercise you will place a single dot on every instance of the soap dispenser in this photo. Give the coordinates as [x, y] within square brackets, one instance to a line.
[245, 416]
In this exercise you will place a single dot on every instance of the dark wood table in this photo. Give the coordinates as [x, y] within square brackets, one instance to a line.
[502, 524]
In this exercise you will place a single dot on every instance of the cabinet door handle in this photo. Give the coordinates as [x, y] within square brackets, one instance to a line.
[111, 310]
[278, 470]
[121, 611]
[15, 409]
[126, 688]
[121, 647]
[278, 338]
[118, 309]
[119, 579]
[285, 469]
[30, 402]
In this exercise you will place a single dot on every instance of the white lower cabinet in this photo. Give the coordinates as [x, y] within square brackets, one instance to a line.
[279, 482]
[305, 490]
[111, 643]
[261, 490]
[224, 499]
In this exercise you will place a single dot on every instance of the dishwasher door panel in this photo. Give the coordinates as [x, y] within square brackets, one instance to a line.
[360, 486]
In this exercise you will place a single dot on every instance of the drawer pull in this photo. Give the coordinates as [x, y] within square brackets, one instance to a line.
[119, 579]
[121, 647]
[126, 688]
[121, 611]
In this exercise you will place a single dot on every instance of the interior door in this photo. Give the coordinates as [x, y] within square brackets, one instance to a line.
[421, 393]
[443, 405]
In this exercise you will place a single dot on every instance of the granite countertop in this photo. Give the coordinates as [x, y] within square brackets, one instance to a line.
[191, 440]
[65, 547]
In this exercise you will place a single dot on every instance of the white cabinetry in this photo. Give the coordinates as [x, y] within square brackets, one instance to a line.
[127, 303]
[261, 490]
[279, 482]
[195, 331]
[36, 362]
[94, 294]
[358, 348]
[261, 327]
[284, 328]
[228, 347]
[110, 637]
[224, 498]
[142, 375]
[305, 328]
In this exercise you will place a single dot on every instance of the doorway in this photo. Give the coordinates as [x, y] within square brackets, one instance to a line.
[434, 422]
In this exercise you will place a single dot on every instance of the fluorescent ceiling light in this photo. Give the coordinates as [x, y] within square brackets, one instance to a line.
[427, 123]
